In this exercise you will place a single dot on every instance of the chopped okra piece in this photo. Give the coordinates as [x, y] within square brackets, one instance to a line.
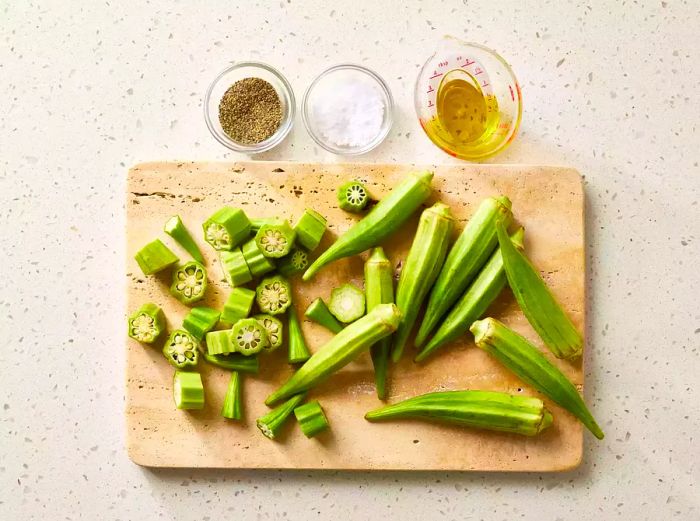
[295, 261]
[274, 331]
[219, 342]
[256, 224]
[347, 303]
[234, 267]
[249, 337]
[233, 402]
[319, 313]
[233, 362]
[353, 197]
[181, 349]
[147, 323]
[310, 229]
[189, 282]
[311, 418]
[274, 295]
[257, 263]
[188, 390]
[238, 305]
[155, 257]
[226, 228]
[177, 230]
[298, 350]
[199, 321]
[275, 239]
[271, 424]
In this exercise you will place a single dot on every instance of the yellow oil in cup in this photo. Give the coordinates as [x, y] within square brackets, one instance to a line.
[468, 100]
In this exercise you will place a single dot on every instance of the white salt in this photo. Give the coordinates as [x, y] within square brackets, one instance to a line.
[347, 109]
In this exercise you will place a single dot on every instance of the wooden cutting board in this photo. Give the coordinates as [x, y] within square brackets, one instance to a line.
[548, 201]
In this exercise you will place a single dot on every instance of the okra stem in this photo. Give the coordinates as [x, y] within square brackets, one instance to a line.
[537, 303]
[298, 350]
[310, 229]
[470, 252]
[481, 409]
[379, 289]
[238, 305]
[311, 418]
[341, 350]
[155, 257]
[147, 323]
[234, 267]
[200, 320]
[422, 266]
[347, 303]
[188, 390]
[319, 313]
[233, 402]
[271, 424]
[384, 219]
[177, 230]
[531, 366]
[474, 303]
[233, 362]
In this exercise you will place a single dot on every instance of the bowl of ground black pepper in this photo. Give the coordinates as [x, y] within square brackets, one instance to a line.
[249, 107]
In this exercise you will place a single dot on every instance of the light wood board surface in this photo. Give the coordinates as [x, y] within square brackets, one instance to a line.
[548, 201]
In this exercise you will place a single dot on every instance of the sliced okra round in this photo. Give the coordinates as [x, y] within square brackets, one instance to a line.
[226, 228]
[353, 197]
[274, 330]
[147, 323]
[276, 239]
[249, 337]
[189, 282]
[274, 295]
[295, 261]
[347, 303]
[181, 349]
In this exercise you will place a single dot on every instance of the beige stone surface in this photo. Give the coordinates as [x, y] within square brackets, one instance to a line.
[548, 201]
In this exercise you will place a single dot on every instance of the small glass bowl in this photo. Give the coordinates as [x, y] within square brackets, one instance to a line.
[318, 83]
[231, 75]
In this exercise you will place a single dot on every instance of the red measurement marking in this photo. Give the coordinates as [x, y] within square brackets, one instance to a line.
[430, 89]
[512, 95]
[468, 63]
[430, 103]
[478, 70]
[443, 64]
[485, 84]
[436, 74]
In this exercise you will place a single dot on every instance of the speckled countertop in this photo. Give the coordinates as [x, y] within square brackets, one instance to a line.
[609, 88]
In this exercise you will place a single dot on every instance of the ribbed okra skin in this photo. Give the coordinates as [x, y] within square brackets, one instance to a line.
[155, 257]
[234, 267]
[226, 228]
[379, 289]
[423, 263]
[530, 365]
[238, 305]
[177, 230]
[233, 362]
[311, 418]
[310, 229]
[341, 350]
[271, 424]
[319, 313]
[469, 253]
[384, 219]
[474, 303]
[200, 320]
[147, 323]
[298, 350]
[219, 342]
[257, 263]
[233, 401]
[538, 304]
[188, 390]
[494, 411]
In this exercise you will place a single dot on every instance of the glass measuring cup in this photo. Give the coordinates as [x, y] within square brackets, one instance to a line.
[494, 101]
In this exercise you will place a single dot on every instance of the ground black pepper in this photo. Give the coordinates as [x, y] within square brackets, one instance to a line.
[250, 111]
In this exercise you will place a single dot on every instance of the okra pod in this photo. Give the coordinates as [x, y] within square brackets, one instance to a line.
[189, 282]
[177, 230]
[199, 321]
[275, 239]
[480, 409]
[273, 327]
[347, 303]
[234, 267]
[248, 337]
[226, 228]
[233, 402]
[538, 304]
[340, 350]
[188, 390]
[181, 349]
[238, 305]
[385, 218]
[155, 257]
[379, 289]
[219, 342]
[257, 263]
[147, 323]
[311, 418]
[294, 262]
[274, 295]
[233, 362]
[353, 197]
[271, 424]
[474, 303]
[470, 252]
[298, 350]
[319, 313]
[531, 366]
[423, 263]
[310, 228]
